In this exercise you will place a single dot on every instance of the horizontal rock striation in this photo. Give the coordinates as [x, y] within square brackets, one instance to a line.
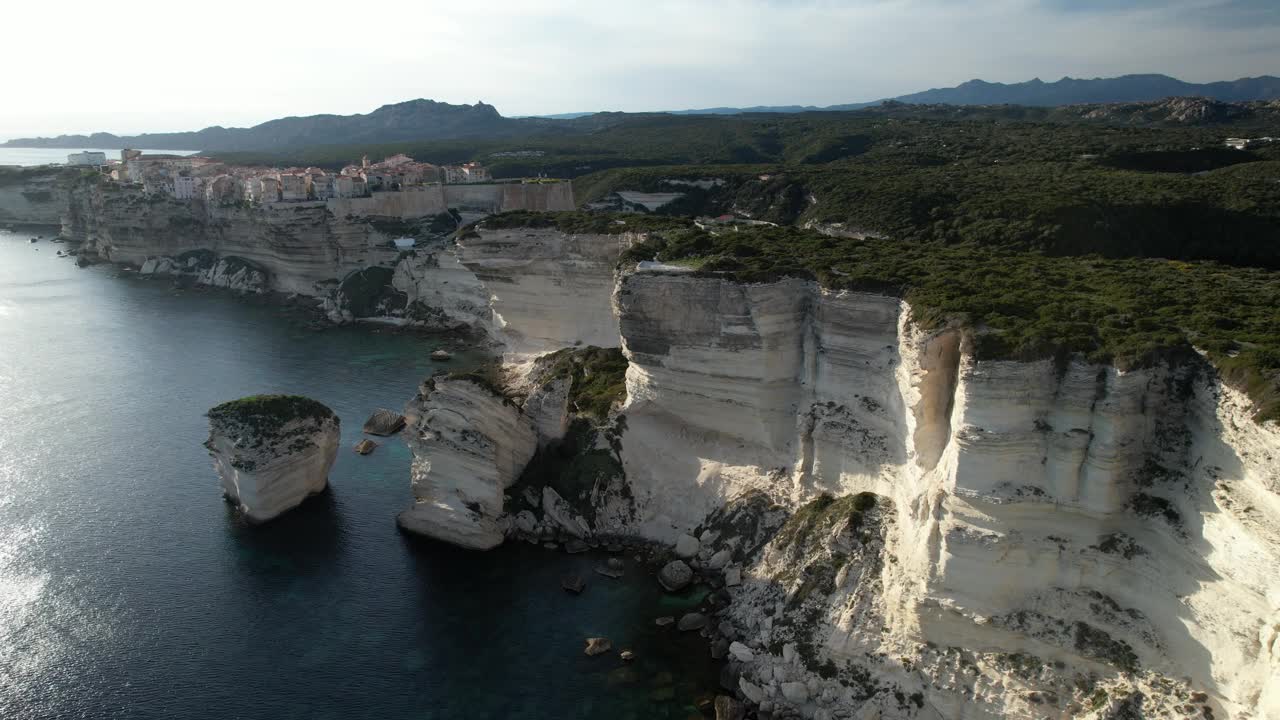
[271, 452]
[300, 247]
[469, 445]
[33, 196]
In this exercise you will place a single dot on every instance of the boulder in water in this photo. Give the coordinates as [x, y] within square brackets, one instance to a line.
[598, 646]
[691, 621]
[384, 422]
[728, 708]
[573, 583]
[441, 355]
[675, 576]
[365, 446]
[272, 451]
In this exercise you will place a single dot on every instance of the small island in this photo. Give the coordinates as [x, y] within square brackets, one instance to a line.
[271, 452]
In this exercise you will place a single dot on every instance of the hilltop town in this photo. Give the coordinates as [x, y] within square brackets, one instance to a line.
[397, 186]
[188, 177]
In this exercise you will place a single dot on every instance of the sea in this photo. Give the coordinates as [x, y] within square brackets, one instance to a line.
[129, 588]
[58, 156]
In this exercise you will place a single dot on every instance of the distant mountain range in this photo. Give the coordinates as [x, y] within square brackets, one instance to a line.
[412, 120]
[1067, 91]
[422, 120]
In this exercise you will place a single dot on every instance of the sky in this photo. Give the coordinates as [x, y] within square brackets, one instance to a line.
[132, 66]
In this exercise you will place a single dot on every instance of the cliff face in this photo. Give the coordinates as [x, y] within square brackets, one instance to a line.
[547, 290]
[299, 247]
[271, 453]
[1113, 529]
[529, 290]
[469, 445]
[911, 532]
[33, 197]
[308, 248]
[1008, 539]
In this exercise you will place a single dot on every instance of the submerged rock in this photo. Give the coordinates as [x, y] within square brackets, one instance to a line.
[728, 708]
[675, 575]
[573, 583]
[691, 621]
[558, 510]
[609, 572]
[598, 646]
[384, 422]
[272, 451]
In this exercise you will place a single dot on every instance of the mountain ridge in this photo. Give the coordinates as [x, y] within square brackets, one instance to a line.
[425, 120]
[1038, 93]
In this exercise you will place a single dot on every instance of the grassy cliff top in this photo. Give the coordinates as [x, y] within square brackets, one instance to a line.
[582, 223]
[267, 413]
[598, 378]
[1023, 304]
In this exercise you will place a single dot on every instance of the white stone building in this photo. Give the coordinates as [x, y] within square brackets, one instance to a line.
[87, 158]
[187, 188]
[293, 186]
[349, 186]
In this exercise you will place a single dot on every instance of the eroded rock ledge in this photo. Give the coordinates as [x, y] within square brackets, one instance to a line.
[271, 452]
[469, 445]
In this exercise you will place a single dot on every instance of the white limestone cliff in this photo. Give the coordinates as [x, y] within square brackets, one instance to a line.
[1116, 528]
[1048, 541]
[469, 445]
[547, 289]
[272, 453]
[1064, 541]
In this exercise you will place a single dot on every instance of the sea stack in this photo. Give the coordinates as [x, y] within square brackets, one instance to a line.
[272, 451]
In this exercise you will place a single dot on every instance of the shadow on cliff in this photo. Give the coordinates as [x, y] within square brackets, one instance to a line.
[1182, 523]
[306, 540]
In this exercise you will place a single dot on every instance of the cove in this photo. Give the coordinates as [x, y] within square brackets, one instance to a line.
[131, 590]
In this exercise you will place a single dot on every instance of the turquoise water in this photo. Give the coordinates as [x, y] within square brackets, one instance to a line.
[130, 589]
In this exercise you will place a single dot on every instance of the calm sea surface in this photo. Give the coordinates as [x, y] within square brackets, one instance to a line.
[45, 156]
[130, 589]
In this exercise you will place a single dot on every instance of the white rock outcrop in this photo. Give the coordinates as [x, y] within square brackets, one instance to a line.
[272, 452]
[1118, 524]
[469, 445]
[547, 289]
[232, 273]
[1047, 540]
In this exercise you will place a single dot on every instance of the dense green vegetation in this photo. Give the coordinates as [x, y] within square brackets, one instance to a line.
[1230, 214]
[906, 135]
[266, 413]
[1122, 233]
[577, 222]
[1024, 304]
[599, 379]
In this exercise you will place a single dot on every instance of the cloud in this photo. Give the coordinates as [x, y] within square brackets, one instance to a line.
[137, 65]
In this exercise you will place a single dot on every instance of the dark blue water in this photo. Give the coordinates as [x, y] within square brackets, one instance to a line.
[130, 589]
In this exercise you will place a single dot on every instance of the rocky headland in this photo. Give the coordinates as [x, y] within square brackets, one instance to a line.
[903, 527]
[271, 452]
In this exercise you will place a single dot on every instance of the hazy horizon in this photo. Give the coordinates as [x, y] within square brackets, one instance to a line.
[251, 63]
